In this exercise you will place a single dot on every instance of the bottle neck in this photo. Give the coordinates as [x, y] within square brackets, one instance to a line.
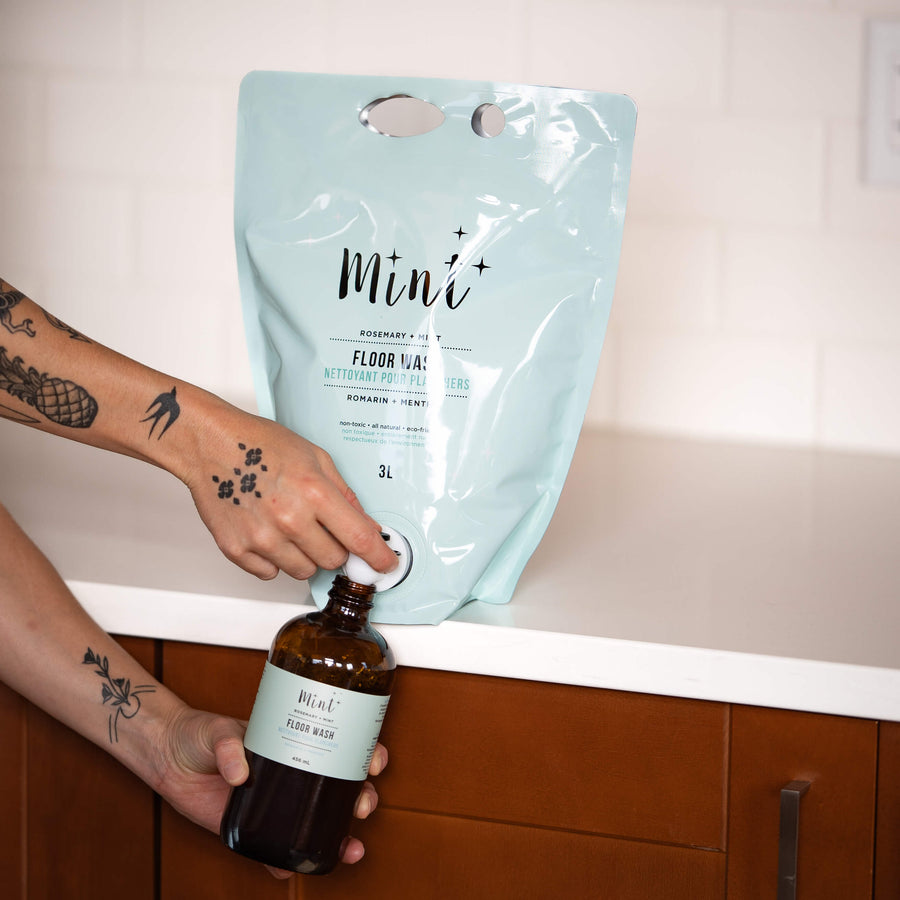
[350, 599]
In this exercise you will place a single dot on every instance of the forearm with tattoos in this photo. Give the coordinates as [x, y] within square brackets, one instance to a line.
[57, 657]
[58, 380]
[271, 499]
[53, 653]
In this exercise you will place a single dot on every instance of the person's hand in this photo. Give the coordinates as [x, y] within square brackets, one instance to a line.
[272, 500]
[203, 757]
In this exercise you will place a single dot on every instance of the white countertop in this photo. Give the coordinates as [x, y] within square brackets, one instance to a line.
[725, 572]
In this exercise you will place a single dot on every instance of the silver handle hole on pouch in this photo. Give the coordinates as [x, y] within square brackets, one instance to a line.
[401, 116]
[488, 121]
[404, 116]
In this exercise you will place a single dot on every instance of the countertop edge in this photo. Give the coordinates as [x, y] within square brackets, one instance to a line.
[574, 659]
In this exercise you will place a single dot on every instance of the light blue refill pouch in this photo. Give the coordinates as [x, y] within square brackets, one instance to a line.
[429, 305]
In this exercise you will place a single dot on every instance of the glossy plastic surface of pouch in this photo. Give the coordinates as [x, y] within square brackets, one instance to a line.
[430, 308]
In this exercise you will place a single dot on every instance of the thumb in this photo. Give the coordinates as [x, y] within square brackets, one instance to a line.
[225, 740]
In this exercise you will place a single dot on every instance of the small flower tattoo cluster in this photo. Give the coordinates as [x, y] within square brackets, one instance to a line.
[229, 490]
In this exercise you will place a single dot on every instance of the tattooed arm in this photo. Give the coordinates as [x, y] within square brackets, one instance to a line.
[271, 499]
[57, 657]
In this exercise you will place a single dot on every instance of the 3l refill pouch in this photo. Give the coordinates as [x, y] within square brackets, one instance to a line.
[426, 270]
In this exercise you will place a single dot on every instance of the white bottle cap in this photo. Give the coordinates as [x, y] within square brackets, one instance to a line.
[361, 572]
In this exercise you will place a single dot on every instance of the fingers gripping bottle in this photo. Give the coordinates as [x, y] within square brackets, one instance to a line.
[313, 729]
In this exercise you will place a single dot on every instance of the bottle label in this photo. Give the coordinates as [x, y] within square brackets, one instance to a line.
[313, 726]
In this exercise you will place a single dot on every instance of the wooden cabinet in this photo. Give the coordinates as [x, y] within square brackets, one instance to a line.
[500, 788]
[574, 759]
[497, 788]
[887, 844]
[12, 788]
[838, 757]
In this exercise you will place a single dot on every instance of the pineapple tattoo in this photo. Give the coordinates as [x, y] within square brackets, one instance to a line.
[57, 399]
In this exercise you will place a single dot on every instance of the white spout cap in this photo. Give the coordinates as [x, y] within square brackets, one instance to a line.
[361, 572]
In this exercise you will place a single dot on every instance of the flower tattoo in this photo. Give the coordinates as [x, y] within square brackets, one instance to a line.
[118, 692]
[248, 480]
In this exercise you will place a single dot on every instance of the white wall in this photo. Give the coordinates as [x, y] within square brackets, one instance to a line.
[759, 293]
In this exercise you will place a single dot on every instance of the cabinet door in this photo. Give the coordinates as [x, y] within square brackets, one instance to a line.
[194, 863]
[887, 848]
[496, 788]
[12, 790]
[513, 789]
[90, 821]
[838, 757]
[414, 855]
[558, 756]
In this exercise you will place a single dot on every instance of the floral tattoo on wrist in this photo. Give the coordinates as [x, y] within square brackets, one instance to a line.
[117, 692]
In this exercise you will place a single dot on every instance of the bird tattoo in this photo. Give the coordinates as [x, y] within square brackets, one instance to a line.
[166, 405]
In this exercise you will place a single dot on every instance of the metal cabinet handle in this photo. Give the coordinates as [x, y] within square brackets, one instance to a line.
[788, 837]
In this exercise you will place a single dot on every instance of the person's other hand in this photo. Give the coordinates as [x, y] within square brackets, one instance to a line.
[203, 758]
[273, 500]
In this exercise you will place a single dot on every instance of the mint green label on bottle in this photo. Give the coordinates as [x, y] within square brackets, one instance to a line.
[313, 726]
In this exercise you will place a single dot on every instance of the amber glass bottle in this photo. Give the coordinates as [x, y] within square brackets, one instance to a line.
[312, 732]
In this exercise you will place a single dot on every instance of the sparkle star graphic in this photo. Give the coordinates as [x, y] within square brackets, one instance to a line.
[393, 257]
[481, 267]
[459, 233]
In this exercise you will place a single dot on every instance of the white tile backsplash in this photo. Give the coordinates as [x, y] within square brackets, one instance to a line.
[188, 232]
[470, 39]
[871, 7]
[860, 397]
[827, 287]
[852, 205]
[184, 328]
[718, 387]
[728, 169]
[21, 112]
[669, 277]
[84, 227]
[799, 62]
[54, 35]
[135, 127]
[759, 273]
[208, 39]
[601, 411]
[662, 55]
